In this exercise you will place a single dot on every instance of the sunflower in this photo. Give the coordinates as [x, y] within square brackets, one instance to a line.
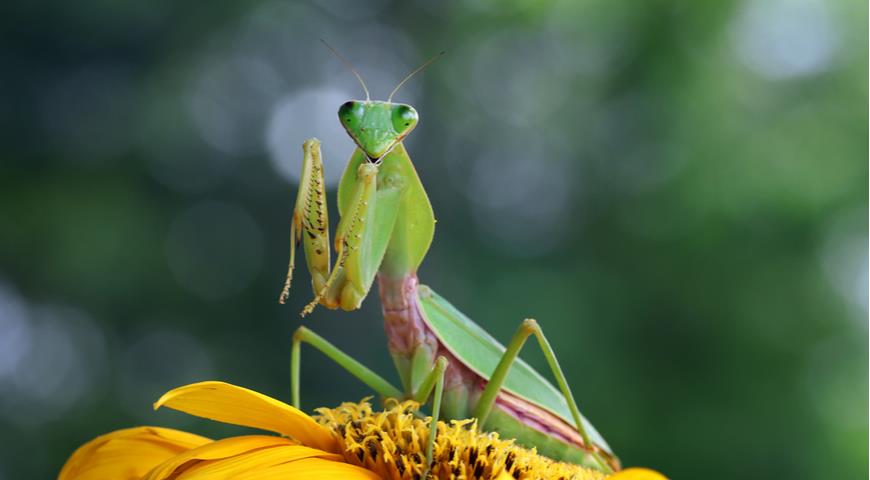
[349, 442]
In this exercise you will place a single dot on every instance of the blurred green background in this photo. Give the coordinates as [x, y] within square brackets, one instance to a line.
[676, 190]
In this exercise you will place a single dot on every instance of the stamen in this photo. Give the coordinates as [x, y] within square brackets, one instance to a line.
[392, 444]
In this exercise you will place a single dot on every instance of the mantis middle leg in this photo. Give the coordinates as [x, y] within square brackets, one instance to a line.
[433, 380]
[355, 368]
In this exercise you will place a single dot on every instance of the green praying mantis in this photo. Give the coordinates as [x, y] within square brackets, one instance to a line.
[386, 227]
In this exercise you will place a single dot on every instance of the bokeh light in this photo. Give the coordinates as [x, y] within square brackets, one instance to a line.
[310, 113]
[785, 38]
[52, 357]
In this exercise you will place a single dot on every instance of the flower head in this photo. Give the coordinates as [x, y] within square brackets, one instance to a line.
[393, 443]
[350, 442]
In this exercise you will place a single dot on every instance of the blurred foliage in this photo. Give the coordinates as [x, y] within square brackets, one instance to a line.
[676, 190]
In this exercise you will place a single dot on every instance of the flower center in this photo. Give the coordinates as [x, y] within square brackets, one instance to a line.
[392, 444]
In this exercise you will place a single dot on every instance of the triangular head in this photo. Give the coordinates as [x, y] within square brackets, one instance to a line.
[376, 127]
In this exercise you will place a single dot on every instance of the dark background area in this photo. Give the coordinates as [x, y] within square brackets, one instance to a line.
[677, 191]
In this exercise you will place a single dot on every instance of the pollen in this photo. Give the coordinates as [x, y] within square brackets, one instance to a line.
[392, 443]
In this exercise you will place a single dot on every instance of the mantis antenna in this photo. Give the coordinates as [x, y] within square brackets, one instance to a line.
[421, 67]
[349, 67]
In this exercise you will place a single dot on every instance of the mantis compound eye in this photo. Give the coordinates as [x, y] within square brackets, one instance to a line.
[351, 113]
[404, 118]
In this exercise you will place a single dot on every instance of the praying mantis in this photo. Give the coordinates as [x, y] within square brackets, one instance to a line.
[386, 227]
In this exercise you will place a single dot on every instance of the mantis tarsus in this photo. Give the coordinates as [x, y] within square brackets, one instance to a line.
[385, 230]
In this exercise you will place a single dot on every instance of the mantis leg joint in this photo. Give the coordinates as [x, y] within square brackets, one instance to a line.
[441, 363]
[530, 326]
[300, 334]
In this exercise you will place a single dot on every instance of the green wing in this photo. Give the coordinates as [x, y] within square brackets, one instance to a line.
[480, 352]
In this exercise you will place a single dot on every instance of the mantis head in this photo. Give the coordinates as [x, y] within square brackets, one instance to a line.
[376, 127]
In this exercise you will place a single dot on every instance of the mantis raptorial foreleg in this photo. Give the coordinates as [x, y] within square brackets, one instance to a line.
[486, 401]
[358, 370]
[310, 223]
[346, 286]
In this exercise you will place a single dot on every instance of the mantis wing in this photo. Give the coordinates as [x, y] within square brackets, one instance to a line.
[480, 352]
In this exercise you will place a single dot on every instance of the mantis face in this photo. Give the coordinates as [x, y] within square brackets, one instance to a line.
[376, 127]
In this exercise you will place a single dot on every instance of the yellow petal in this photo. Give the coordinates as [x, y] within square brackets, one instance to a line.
[231, 456]
[127, 454]
[310, 469]
[637, 474]
[231, 404]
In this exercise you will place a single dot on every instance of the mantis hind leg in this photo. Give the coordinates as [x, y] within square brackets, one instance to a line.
[358, 370]
[486, 401]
